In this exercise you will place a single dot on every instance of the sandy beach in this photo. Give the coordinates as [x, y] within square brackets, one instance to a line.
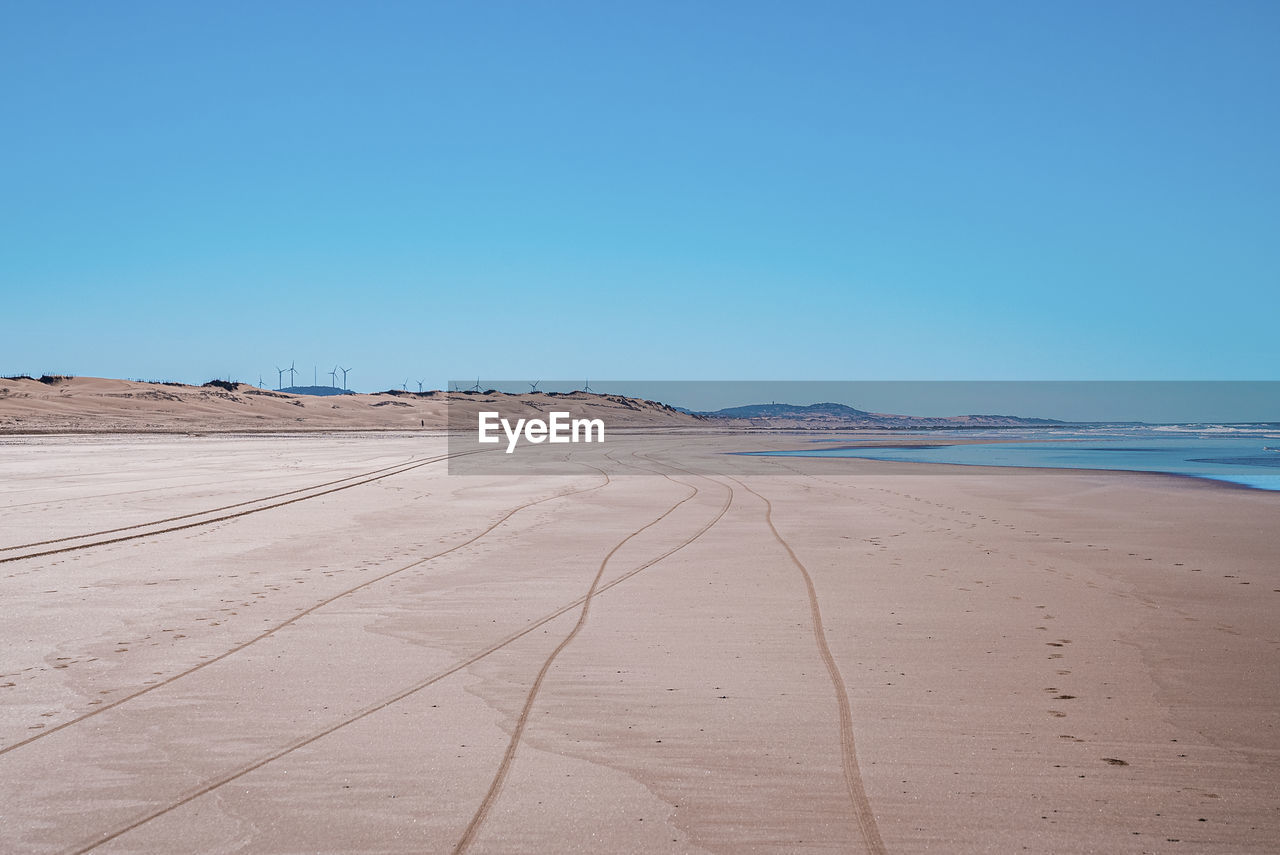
[326, 643]
[670, 429]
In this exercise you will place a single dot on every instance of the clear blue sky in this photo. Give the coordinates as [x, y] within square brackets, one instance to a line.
[647, 190]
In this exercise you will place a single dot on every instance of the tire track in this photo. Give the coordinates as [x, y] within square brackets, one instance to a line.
[367, 711]
[181, 483]
[402, 468]
[848, 749]
[89, 534]
[273, 630]
[499, 778]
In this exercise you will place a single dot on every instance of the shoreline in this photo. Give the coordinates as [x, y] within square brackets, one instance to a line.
[808, 454]
[927, 468]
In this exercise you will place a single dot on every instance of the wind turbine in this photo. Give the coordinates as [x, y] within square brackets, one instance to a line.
[279, 378]
[292, 372]
[344, 378]
[333, 377]
[476, 388]
[586, 386]
[404, 387]
[419, 387]
[534, 385]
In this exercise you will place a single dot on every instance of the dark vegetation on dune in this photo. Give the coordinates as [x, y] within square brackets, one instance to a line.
[47, 379]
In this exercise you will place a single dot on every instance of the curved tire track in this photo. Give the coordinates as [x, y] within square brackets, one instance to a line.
[397, 470]
[495, 786]
[273, 630]
[182, 482]
[367, 711]
[89, 534]
[848, 749]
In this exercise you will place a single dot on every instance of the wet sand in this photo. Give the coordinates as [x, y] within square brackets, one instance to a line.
[326, 643]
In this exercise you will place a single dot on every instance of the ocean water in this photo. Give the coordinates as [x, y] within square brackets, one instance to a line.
[1221, 452]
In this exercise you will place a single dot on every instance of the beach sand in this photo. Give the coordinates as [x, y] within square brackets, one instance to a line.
[325, 643]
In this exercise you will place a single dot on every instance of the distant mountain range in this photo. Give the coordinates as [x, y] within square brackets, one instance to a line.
[790, 411]
[830, 415]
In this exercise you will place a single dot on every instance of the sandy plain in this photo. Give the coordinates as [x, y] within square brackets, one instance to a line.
[326, 643]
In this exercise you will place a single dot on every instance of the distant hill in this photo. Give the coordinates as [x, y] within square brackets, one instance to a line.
[315, 390]
[828, 416]
[790, 411]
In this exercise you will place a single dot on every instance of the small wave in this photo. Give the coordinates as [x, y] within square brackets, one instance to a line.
[1272, 462]
[1261, 431]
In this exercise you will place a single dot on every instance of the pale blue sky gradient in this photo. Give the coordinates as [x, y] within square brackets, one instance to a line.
[688, 191]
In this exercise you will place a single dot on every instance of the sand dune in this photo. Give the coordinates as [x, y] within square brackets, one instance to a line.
[98, 405]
